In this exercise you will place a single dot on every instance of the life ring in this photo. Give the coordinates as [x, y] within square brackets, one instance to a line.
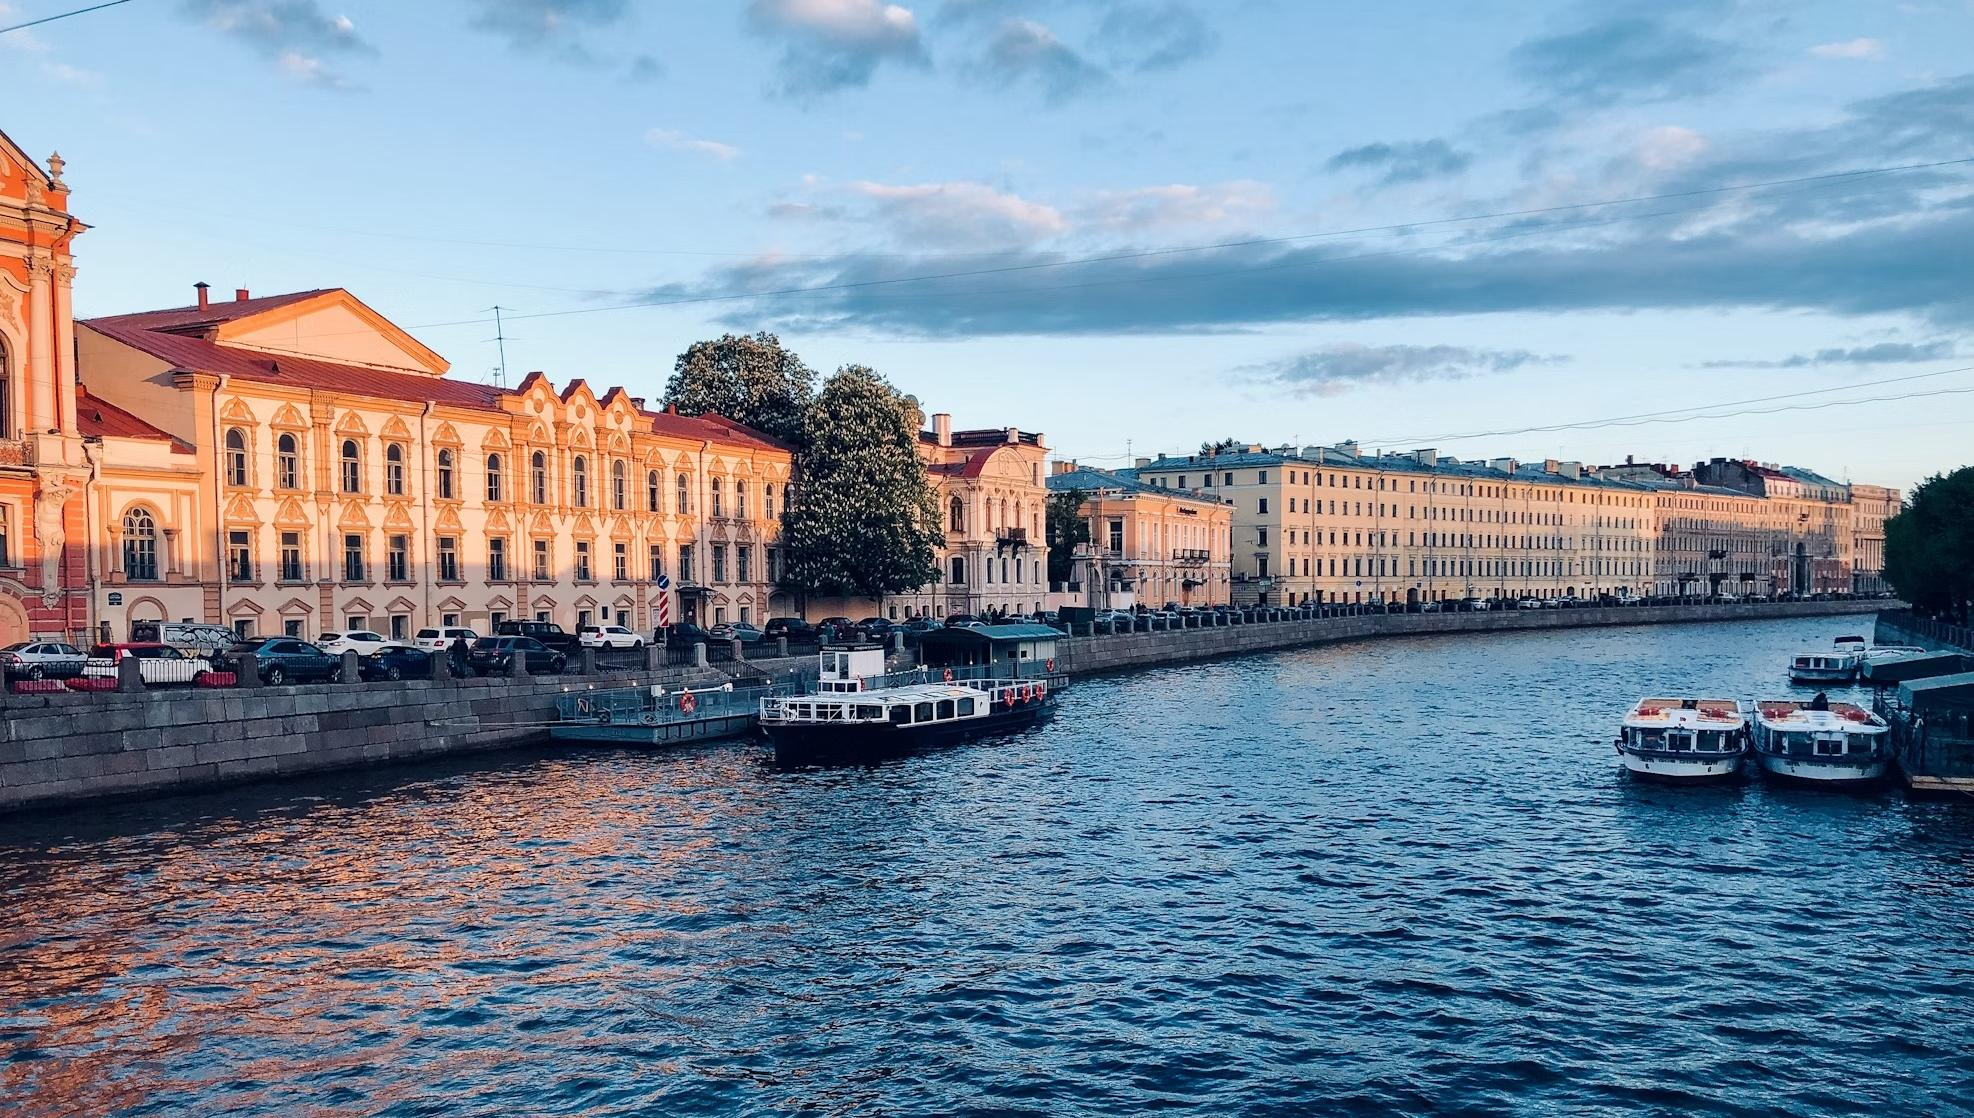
[1041, 690]
[1028, 693]
[1009, 700]
[949, 675]
[688, 702]
[1052, 663]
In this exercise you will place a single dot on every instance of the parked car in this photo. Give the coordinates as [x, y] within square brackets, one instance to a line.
[1726, 599]
[743, 631]
[440, 639]
[363, 642]
[156, 663]
[190, 635]
[684, 634]
[545, 633]
[1529, 603]
[876, 628]
[495, 656]
[963, 620]
[920, 625]
[1478, 604]
[1430, 607]
[607, 636]
[838, 629]
[282, 659]
[1116, 616]
[41, 660]
[794, 628]
[393, 664]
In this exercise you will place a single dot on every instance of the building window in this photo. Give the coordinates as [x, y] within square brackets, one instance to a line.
[774, 565]
[582, 561]
[740, 501]
[291, 627]
[291, 557]
[619, 488]
[719, 562]
[400, 626]
[579, 474]
[353, 558]
[397, 559]
[448, 559]
[717, 511]
[394, 469]
[538, 478]
[236, 457]
[959, 570]
[445, 475]
[1263, 509]
[685, 564]
[6, 530]
[651, 491]
[352, 467]
[768, 501]
[742, 562]
[140, 546]
[620, 562]
[541, 560]
[657, 558]
[493, 478]
[683, 504]
[240, 556]
[496, 560]
[956, 515]
[6, 394]
[287, 463]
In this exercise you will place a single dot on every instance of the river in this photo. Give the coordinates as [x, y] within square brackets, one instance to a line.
[1402, 876]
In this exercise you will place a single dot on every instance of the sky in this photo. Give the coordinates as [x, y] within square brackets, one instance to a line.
[1133, 225]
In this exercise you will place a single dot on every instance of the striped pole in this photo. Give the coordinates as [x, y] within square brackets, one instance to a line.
[664, 601]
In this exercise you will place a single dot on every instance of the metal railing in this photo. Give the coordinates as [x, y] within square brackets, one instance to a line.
[1945, 632]
[657, 706]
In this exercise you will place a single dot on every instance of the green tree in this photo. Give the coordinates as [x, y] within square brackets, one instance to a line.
[864, 521]
[749, 378]
[1929, 548]
[1226, 444]
[1067, 527]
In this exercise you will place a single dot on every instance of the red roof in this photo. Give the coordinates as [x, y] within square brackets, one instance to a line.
[973, 465]
[97, 418]
[197, 318]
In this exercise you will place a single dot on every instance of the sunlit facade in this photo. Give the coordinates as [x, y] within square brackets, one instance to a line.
[1148, 545]
[1871, 507]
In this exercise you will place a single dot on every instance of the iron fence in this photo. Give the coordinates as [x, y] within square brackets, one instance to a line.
[655, 706]
[617, 660]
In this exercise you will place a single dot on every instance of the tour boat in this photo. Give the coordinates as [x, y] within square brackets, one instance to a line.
[859, 710]
[1839, 665]
[1843, 744]
[1684, 740]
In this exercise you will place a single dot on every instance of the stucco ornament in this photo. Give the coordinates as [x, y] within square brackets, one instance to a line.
[49, 530]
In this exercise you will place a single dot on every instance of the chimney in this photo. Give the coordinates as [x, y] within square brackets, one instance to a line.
[1426, 456]
[942, 428]
[1014, 434]
[240, 295]
[1060, 466]
[1349, 448]
[1141, 463]
[202, 287]
[637, 402]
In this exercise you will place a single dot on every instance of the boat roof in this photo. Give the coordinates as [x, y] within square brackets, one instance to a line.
[1794, 714]
[908, 693]
[1703, 714]
[1019, 632]
[1940, 690]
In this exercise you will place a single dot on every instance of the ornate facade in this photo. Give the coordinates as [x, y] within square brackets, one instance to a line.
[1148, 544]
[1871, 507]
[992, 500]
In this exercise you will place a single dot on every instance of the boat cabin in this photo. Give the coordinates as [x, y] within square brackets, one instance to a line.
[1013, 651]
[844, 668]
[1794, 729]
[1684, 726]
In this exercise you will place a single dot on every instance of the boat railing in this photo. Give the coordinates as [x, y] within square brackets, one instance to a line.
[655, 706]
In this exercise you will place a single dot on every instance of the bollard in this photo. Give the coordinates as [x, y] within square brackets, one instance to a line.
[517, 664]
[130, 674]
[781, 646]
[246, 670]
[440, 665]
[588, 665]
[699, 654]
[738, 650]
[349, 672]
[654, 657]
[897, 640]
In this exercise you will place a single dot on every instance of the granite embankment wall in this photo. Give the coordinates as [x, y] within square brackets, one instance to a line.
[1901, 627]
[1104, 653]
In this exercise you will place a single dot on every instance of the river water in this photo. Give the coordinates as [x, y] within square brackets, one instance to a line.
[1403, 876]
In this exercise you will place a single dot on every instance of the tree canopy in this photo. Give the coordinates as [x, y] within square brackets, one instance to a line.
[1211, 448]
[750, 378]
[864, 520]
[1067, 528]
[1929, 548]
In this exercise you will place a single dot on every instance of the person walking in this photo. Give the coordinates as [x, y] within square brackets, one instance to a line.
[456, 654]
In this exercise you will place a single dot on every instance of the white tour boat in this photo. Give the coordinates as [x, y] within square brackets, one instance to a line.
[1684, 739]
[1821, 742]
[1839, 665]
[857, 709]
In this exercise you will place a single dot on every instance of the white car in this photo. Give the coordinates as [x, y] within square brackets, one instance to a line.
[156, 663]
[1531, 603]
[41, 660]
[607, 636]
[440, 640]
[363, 642]
[1479, 604]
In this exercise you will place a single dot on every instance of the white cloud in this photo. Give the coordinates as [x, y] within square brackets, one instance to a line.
[1176, 204]
[1869, 50]
[1668, 147]
[72, 75]
[858, 22]
[837, 44]
[967, 214]
[18, 40]
[675, 140]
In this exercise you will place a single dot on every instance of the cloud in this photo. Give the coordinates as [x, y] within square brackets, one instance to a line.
[1147, 37]
[837, 44]
[1625, 60]
[674, 140]
[1408, 161]
[18, 40]
[1025, 52]
[295, 35]
[1866, 50]
[959, 214]
[1882, 353]
[535, 24]
[71, 75]
[1151, 208]
[1333, 370]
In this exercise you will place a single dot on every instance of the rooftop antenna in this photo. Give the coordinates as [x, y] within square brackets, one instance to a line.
[500, 339]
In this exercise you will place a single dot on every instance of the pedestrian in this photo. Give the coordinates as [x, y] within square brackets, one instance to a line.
[457, 656]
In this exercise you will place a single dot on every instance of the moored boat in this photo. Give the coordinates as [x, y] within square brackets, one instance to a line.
[1684, 740]
[1821, 742]
[1839, 665]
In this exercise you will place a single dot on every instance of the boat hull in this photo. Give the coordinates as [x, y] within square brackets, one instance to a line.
[1822, 675]
[1826, 771]
[812, 741]
[637, 735]
[1682, 768]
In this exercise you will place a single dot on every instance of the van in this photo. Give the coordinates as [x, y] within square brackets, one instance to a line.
[182, 634]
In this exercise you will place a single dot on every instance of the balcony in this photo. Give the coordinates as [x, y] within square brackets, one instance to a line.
[1010, 539]
[1191, 557]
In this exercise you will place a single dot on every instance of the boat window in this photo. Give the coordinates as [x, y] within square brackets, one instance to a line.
[922, 712]
[870, 713]
[966, 708]
[1679, 741]
[945, 708]
[1829, 746]
[900, 715]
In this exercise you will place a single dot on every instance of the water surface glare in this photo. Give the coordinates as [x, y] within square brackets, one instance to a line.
[1392, 877]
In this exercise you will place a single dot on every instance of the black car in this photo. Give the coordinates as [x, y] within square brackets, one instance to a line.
[545, 633]
[495, 656]
[281, 659]
[684, 634]
[876, 628]
[395, 663]
[794, 628]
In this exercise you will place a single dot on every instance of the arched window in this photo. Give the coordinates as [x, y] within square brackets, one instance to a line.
[445, 475]
[651, 491]
[959, 570]
[684, 503]
[768, 501]
[352, 467]
[394, 469]
[957, 519]
[579, 474]
[6, 394]
[236, 457]
[740, 499]
[287, 463]
[717, 510]
[538, 478]
[140, 546]
[619, 498]
[493, 477]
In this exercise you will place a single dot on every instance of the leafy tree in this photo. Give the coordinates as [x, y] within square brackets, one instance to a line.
[1206, 449]
[1929, 548]
[1067, 527]
[864, 521]
[745, 377]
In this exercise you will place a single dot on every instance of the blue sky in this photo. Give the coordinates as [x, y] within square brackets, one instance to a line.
[1285, 198]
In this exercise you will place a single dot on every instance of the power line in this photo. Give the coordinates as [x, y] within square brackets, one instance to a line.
[63, 15]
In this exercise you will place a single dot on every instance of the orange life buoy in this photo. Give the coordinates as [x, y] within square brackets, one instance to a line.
[949, 675]
[1009, 699]
[688, 702]
[1041, 690]
[1052, 663]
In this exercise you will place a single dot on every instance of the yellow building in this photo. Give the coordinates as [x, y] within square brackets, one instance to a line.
[992, 500]
[1148, 545]
[340, 479]
[1806, 515]
[1871, 507]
